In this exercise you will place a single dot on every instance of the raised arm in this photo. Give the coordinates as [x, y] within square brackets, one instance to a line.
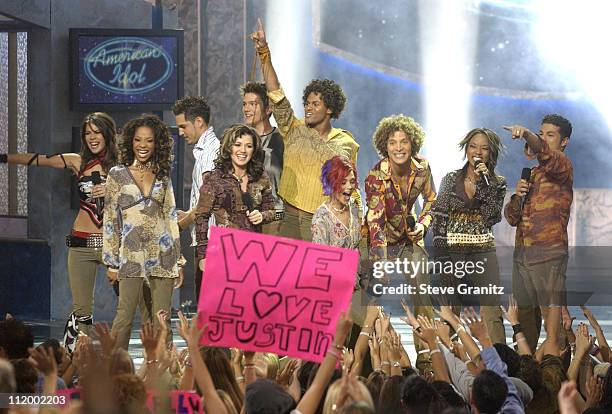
[68, 160]
[269, 74]
[281, 108]
[210, 397]
[310, 401]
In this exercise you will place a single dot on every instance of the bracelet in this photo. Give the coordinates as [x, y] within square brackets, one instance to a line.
[249, 366]
[152, 361]
[364, 334]
[517, 328]
[455, 336]
[334, 353]
[264, 53]
[240, 378]
[3, 158]
[397, 364]
[433, 351]
[423, 351]
[460, 328]
[385, 363]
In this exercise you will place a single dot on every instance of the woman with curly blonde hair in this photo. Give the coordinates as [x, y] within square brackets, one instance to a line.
[392, 188]
[141, 236]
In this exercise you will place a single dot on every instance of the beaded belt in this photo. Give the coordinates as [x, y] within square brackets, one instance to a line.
[91, 241]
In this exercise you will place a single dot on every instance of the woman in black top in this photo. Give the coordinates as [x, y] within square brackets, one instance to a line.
[468, 204]
[90, 166]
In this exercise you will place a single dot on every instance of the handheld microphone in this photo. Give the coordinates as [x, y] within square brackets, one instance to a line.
[96, 179]
[525, 175]
[248, 200]
[411, 222]
[477, 162]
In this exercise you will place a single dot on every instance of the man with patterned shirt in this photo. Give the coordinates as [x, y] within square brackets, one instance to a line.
[192, 115]
[308, 142]
[392, 188]
[540, 210]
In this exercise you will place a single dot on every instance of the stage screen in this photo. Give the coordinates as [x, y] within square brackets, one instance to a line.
[120, 69]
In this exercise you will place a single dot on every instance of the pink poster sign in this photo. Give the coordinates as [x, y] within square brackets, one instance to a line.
[272, 294]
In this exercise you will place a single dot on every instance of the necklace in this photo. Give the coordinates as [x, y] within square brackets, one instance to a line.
[142, 166]
[239, 178]
[469, 179]
[338, 210]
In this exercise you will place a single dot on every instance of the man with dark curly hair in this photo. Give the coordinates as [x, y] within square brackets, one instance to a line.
[392, 188]
[309, 142]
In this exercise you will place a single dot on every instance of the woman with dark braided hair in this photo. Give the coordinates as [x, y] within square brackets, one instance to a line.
[141, 235]
[468, 205]
[238, 191]
[90, 166]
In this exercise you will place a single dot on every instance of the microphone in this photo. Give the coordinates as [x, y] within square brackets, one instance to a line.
[477, 162]
[96, 179]
[248, 200]
[411, 222]
[525, 175]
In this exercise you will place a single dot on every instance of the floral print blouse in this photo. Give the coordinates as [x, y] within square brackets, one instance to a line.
[221, 196]
[328, 229]
[141, 234]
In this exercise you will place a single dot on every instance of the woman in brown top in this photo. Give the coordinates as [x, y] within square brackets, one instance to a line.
[237, 191]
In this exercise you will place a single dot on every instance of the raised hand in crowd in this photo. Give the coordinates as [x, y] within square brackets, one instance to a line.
[107, 340]
[361, 346]
[584, 342]
[594, 391]
[310, 401]
[427, 334]
[511, 315]
[566, 398]
[192, 333]
[604, 348]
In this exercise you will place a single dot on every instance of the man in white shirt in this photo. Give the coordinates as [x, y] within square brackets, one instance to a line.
[192, 115]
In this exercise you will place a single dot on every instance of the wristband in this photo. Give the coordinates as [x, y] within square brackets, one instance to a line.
[330, 351]
[455, 336]
[3, 158]
[423, 351]
[433, 351]
[364, 334]
[517, 328]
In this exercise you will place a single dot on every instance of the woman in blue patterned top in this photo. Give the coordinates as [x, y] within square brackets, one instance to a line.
[141, 236]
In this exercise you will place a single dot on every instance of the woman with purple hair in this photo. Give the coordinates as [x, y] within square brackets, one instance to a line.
[337, 222]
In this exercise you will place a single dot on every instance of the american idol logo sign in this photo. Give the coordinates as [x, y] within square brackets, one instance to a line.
[128, 65]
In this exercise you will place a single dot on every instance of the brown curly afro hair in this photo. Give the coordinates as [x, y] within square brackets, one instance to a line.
[331, 94]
